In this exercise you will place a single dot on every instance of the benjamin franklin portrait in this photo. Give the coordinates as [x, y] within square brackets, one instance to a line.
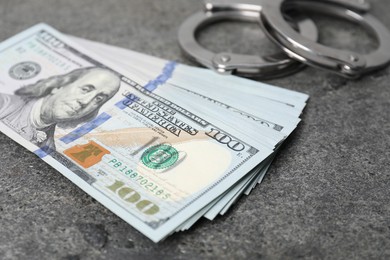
[65, 101]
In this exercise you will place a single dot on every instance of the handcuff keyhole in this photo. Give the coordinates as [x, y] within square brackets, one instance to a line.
[353, 58]
[225, 58]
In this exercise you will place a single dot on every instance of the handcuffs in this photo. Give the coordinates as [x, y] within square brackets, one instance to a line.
[297, 39]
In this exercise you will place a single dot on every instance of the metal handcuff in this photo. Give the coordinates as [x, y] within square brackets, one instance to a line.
[275, 65]
[300, 45]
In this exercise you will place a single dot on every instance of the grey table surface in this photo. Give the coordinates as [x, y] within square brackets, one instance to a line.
[325, 197]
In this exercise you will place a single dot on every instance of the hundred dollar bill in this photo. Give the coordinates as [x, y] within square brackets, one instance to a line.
[214, 109]
[152, 162]
[187, 100]
[121, 56]
[110, 55]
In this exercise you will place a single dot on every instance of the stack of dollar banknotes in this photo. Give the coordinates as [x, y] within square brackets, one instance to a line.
[161, 144]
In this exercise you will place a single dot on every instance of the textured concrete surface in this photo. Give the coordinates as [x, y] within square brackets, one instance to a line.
[326, 196]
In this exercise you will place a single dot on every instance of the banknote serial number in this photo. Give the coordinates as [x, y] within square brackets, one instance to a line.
[138, 178]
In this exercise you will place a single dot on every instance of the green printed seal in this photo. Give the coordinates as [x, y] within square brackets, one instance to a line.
[160, 157]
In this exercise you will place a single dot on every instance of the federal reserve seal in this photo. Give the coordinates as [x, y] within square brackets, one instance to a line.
[160, 157]
[24, 70]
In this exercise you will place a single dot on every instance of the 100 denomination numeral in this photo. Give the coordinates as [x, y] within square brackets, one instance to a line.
[224, 138]
[129, 195]
[50, 39]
